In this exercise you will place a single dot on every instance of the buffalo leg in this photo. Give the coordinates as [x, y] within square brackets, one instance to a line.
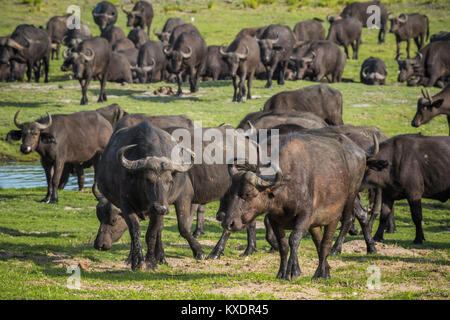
[408, 43]
[416, 214]
[235, 88]
[220, 246]
[283, 68]
[241, 87]
[376, 206]
[386, 210]
[37, 72]
[270, 236]
[48, 168]
[29, 69]
[84, 85]
[102, 95]
[58, 168]
[283, 245]
[346, 51]
[151, 238]
[347, 219]
[448, 122]
[269, 73]
[249, 85]
[184, 217]
[80, 176]
[251, 240]
[361, 215]
[46, 61]
[199, 209]
[132, 220]
[180, 82]
[192, 78]
[323, 270]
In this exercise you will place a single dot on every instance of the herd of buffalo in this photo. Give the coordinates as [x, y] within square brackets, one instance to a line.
[323, 164]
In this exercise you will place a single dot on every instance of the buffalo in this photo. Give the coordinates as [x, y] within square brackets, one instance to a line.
[373, 71]
[309, 30]
[57, 140]
[441, 36]
[345, 32]
[151, 62]
[410, 26]
[276, 45]
[322, 59]
[119, 69]
[186, 55]
[113, 34]
[215, 65]
[362, 12]
[242, 57]
[410, 167]
[105, 14]
[57, 29]
[90, 59]
[322, 100]
[255, 32]
[140, 16]
[429, 107]
[167, 29]
[138, 37]
[75, 36]
[28, 45]
[291, 200]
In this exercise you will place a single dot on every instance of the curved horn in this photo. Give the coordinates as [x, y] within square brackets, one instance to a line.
[252, 128]
[123, 9]
[90, 56]
[258, 181]
[66, 53]
[375, 149]
[149, 67]
[243, 55]
[404, 19]
[364, 73]
[420, 55]
[379, 76]
[167, 51]
[98, 195]
[14, 44]
[16, 122]
[273, 41]
[397, 57]
[128, 164]
[186, 55]
[183, 167]
[41, 126]
[232, 170]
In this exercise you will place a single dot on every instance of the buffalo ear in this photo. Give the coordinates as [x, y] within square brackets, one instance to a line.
[377, 165]
[47, 137]
[437, 103]
[14, 135]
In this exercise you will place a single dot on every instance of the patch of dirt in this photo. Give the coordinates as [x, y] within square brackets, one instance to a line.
[359, 246]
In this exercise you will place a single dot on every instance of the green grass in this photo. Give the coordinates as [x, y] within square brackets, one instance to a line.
[38, 241]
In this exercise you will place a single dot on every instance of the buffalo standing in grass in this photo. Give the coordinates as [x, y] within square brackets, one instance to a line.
[429, 107]
[410, 26]
[151, 62]
[242, 57]
[57, 29]
[345, 32]
[309, 30]
[59, 139]
[410, 167]
[90, 59]
[276, 45]
[140, 16]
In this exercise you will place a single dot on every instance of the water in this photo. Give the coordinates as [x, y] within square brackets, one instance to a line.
[31, 175]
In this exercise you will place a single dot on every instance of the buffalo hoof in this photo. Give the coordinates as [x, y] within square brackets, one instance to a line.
[199, 255]
[289, 275]
[378, 238]
[371, 249]
[273, 250]
[418, 240]
[198, 233]
[248, 251]
[83, 102]
[322, 273]
[151, 265]
[137, 261]
[214, 255]
[336, 250]
[353, 230]
[268, 85]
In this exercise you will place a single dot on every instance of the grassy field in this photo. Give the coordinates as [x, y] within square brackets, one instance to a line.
[38, 242]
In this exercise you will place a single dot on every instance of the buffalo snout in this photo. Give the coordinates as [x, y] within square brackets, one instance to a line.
[25, 149]
[160, 209]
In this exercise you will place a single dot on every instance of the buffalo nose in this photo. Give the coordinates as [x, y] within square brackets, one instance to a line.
[161, 210]
[414, 124]
[228, 225]
[25, 149]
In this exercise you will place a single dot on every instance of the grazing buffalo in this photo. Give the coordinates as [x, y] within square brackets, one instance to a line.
[431, 65]
[57, 140]
[148, 180]
[105, 14]
[119, 69]
[168, 27]
[28, 45]
[151, 62]
[186, 55]
[345, 32]
[242, 57]
[140, 16]
[113, 34]
[441, 36]
[90, 59]
[321, 100]
[429, 107]
[292, 198]
[362, 12]
[57, 30]
[410, 167]
[75, 36]
[215, 66]
[410, 26]
[123, 44]
[276, 45]
[323, 58]
[138, 37]
[309, 30]
[373, 71]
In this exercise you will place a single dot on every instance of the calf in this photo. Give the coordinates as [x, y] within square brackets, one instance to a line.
[242, 57]
[429, 107]
[410, 26]
[373, 71]
[410, 167]
[344, 32]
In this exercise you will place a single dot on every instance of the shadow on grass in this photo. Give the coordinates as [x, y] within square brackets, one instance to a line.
[376, 257]
[216, 84]
[17, 233]
[166, 99]
[21, 104]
